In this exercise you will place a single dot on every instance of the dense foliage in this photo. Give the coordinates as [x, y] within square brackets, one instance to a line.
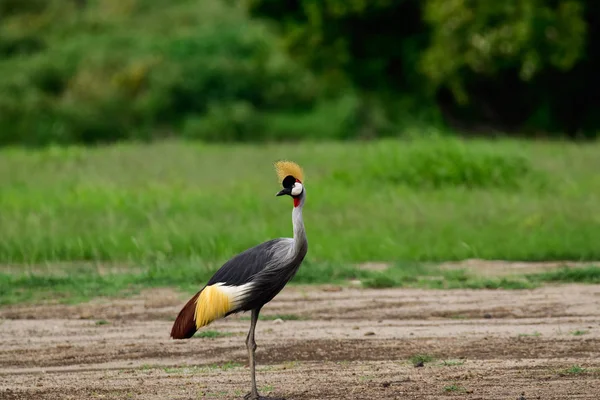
[520, 65]
[89, 71]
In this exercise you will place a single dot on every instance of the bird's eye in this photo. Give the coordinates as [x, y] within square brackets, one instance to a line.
[288, 182]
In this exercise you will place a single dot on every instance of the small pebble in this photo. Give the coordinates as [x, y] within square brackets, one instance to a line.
[278, 321]
[369, 333]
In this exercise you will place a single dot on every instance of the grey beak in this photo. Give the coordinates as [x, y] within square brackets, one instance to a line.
[284, 191]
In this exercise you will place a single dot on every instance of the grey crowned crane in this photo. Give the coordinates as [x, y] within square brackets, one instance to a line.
[252, 278]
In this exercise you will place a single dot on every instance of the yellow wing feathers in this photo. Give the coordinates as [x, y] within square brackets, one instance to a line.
[285, 168]
[213, 303]
[209, 304]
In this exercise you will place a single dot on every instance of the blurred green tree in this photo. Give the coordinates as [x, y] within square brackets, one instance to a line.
[84, 71]
[513, 65]
[373, 45]
[493, 63]
[100, 71]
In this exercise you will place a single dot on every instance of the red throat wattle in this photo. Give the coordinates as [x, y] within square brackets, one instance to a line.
[297, 200]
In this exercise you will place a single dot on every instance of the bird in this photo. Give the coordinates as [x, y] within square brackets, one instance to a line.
[252, 278]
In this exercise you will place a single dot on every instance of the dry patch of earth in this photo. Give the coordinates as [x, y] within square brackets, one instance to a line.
[333, 343]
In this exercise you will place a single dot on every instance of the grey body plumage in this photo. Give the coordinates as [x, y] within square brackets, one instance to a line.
[268, 266]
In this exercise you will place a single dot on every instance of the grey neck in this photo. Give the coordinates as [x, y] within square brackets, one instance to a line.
[300, 241]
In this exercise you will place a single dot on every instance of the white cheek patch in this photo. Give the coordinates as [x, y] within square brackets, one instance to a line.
[297, 189]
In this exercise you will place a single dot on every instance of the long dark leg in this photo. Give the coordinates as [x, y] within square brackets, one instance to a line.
[251, 345]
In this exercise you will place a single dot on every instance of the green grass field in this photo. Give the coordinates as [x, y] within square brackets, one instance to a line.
[106, 220]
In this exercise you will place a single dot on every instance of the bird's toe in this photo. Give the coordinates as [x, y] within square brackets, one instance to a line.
[259, 397]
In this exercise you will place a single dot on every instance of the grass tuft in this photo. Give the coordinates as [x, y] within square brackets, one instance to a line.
[534, 334]
[212, 334]
[574, 370]
[380, 281]
[579, 332]
[419, 360]
[454, 388]
[196, 369]
[568, 275]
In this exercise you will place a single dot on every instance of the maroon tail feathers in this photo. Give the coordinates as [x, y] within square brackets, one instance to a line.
[184, 326]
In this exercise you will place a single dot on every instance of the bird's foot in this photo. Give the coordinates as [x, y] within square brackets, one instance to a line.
[256, 396]
[252, 396]
[259, 397]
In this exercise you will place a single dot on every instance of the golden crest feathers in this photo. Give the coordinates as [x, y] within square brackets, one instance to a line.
[285, 168]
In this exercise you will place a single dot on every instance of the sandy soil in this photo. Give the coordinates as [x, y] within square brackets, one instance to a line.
[348, 344]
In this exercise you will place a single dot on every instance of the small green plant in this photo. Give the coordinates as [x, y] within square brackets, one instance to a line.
[534, 334]
[454, 388]
[589, 274]
[291, 364]
[197, 369]
[102, 322]
[216, 394]
[380, 281]
[419, 360]
[212, 334]
[579, 332]
[267, 388]
[179, 370]
[575, 370]
[229, 365]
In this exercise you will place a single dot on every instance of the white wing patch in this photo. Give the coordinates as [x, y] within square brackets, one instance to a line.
[236, 294]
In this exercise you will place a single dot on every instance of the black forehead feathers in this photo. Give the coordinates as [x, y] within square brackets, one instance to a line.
[288, 181]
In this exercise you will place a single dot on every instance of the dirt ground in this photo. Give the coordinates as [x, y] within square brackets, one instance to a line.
[346, 343]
